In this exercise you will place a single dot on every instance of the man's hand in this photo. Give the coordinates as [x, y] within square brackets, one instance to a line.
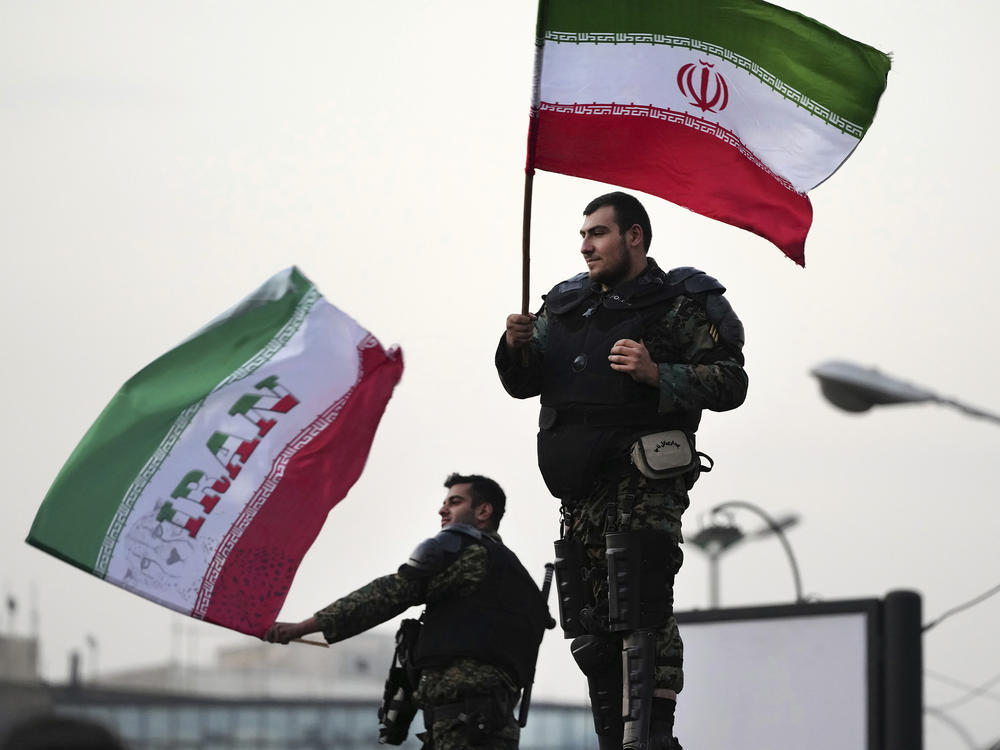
[284, 632]
[520, 329]
[633, 357]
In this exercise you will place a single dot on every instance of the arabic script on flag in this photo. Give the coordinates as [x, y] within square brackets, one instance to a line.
[208, 476]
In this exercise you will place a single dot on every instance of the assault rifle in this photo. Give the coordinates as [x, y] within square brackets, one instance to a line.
[397, 709]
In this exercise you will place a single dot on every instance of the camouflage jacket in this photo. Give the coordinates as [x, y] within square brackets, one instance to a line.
[697, 368]
[391, 595]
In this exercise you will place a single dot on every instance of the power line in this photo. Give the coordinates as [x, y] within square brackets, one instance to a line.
[959, 729]
[981, 691]
[960, 607]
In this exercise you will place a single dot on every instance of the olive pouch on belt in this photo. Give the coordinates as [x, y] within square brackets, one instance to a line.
[662, 455]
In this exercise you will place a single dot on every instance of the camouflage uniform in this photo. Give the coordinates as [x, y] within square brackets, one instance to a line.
[389, 596]
[697, 370]
[659, 508]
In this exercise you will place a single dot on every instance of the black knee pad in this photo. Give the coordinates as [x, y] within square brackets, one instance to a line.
[595, 655]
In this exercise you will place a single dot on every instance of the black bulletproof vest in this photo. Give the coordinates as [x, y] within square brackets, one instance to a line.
[577, 370]
[583, 326]
[500, 624]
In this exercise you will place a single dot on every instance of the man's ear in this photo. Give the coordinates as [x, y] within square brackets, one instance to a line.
[484, 511]
[634, 236]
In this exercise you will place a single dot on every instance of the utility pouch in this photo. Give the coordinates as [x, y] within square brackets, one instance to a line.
[478, 715]
[397, 709]
[663, 455]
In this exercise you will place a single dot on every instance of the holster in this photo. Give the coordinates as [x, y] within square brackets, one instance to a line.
[572, 592]
[397, 709]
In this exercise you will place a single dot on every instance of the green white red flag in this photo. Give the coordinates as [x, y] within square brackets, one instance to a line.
[734, 109]
[209, 474]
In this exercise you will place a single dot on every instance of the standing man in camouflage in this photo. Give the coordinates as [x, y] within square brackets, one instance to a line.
[481, 629]
[625, 357]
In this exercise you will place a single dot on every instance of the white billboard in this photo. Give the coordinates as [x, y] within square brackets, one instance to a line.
[803, 676]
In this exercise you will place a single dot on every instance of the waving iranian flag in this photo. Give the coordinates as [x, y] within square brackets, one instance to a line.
[208, 476]
[732, 108]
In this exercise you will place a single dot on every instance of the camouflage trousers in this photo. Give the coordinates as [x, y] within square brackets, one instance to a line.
[633, 503]
[483, 722]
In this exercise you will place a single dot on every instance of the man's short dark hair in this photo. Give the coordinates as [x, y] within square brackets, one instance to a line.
[628, 211]
[483, 490]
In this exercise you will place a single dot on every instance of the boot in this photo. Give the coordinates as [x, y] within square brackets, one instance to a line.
[661, 725]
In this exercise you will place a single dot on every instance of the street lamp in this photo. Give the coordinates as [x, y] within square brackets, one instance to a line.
[857, 389]
[716, 538]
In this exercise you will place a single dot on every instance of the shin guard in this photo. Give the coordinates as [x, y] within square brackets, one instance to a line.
[600, 660]
[638, 666]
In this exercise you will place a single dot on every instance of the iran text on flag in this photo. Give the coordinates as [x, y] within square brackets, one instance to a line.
[208, 476]
[731, 108]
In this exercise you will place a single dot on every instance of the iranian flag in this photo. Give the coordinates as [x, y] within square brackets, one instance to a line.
[208, 476]
[734, 109]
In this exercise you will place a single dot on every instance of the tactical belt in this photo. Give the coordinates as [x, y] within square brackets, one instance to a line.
[596, 416]
[474, 706]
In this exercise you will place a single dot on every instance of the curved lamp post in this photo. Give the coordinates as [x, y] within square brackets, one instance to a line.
[856, 389]
[716, 538]
[713, 540]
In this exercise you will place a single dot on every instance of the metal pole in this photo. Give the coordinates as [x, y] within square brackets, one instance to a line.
[904, 684]
[714, 551]
[970, 410]
[777, 530]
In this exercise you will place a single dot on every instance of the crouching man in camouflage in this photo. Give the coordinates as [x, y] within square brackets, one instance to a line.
[479, 634]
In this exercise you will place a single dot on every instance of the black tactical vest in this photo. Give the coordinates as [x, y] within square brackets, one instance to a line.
[591, 413]
[584, 323]
[501, 623]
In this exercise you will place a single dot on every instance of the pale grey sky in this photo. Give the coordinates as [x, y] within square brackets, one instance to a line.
[161, 159]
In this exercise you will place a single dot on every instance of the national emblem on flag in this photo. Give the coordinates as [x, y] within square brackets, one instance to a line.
[734, 109]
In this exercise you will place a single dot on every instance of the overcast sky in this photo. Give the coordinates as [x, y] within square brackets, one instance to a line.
[159, 160]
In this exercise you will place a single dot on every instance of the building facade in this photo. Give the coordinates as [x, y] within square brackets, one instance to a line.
[254, 697]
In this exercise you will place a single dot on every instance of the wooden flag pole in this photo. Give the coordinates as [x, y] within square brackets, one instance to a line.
[529, 166]
[308, 642]
[529, 176]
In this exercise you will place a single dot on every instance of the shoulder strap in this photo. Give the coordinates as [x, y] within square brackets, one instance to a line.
[569, 294]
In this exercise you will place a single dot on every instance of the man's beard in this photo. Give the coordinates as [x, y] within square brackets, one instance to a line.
[611, 276]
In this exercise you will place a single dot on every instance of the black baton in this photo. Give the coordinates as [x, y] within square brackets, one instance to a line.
[522, 714]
